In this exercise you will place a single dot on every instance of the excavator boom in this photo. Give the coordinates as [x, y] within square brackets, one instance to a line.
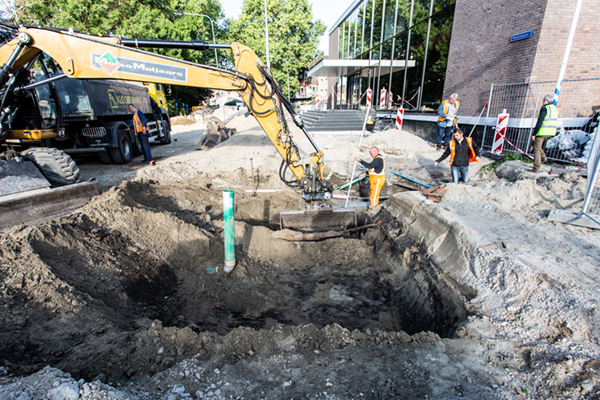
[86, 56]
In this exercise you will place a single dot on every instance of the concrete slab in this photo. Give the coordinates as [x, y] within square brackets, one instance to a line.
[573, 218]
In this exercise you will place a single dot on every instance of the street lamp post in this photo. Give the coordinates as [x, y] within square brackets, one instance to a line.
[287, 68]
[211, 27]
[267, 36]
[216, 57]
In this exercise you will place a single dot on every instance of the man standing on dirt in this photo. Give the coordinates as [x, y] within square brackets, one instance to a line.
[462, 151]
[140, 126]
[376, 175]
[545, 128]
[448, 114]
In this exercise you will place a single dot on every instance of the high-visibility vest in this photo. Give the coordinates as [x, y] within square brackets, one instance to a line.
[472, 154]
[549, 125]
[382, 173]
[137, 123]
[446, 103]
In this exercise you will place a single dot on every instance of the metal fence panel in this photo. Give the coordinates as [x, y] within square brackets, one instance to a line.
[591, 204]
[578, 107]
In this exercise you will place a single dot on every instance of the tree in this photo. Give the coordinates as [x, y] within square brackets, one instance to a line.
[151, 19]
[293, 36]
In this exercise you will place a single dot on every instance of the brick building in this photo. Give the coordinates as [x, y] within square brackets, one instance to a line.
[482, 54]
[424, 50]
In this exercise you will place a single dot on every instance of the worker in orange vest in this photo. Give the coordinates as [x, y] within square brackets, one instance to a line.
[462, 151]
[376, 175]
[448, 115]
[140, 126]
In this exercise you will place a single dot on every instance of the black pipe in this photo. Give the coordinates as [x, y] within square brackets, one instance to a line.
[173, 44]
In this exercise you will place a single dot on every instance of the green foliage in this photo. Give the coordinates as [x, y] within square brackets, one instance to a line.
[293, 36]
[150, 19]
[488, 168]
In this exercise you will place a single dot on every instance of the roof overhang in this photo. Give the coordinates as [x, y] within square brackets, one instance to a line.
[335, 68]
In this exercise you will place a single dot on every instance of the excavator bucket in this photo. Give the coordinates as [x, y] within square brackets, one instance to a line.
[318, 218]
[26, 196]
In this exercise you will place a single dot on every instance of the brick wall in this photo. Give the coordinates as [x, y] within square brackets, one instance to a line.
[481, 52]
[584, 58]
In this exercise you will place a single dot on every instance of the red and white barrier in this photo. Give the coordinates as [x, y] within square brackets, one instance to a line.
[382, 98]
[317, 101]
[501, 127]
[391, 99]
[399, 118]
[369, 97]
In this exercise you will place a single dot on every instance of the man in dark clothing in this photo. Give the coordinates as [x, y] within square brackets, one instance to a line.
[462, 151]
[140, 126]
[376, 175]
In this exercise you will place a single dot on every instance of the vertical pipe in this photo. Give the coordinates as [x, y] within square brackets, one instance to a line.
[563, 67]
[267, 37]
[392, 53]
[381, 56]
[228, 230]
[371, 49]
[412, 9]
[420, 95]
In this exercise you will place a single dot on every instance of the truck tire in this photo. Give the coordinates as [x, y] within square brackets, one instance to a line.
[166, 139]
[123, 153]
[105, 157]
[137, 146]
[56, 165]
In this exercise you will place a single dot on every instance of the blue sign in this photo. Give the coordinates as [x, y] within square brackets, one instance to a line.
[521, 36]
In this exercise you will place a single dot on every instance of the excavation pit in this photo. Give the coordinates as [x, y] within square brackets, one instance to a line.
[147, 252]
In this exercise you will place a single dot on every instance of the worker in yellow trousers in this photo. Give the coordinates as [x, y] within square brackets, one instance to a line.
[376, 169]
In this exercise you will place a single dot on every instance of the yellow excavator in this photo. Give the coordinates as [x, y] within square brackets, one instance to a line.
[84, 56]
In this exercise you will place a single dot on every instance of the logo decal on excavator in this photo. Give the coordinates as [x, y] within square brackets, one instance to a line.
[110, 63]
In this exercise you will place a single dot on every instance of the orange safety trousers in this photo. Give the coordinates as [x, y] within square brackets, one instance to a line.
[376, 182]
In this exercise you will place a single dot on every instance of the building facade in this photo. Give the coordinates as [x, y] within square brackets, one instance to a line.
[423, 50]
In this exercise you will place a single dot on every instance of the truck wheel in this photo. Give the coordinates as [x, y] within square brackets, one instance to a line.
[137, 146]
[166, 139]
[105, 157]
[56, 165]
[122, 154]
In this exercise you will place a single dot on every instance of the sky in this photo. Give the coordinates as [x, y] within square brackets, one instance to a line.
[328, 11]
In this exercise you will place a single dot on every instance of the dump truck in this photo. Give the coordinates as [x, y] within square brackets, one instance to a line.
[88, 57]
[90, 116]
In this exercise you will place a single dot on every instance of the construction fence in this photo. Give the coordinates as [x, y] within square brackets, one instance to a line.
[591, 204]
[578, 106]
[577, 140]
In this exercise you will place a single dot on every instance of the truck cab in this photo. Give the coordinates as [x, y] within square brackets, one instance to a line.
[159, 93]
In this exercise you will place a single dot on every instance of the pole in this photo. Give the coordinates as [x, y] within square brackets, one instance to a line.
[267, 37]
[478, 118]
[357, 151]
[228, 230]
[563, 67]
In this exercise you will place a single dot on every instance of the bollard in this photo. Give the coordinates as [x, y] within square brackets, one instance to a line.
[228, 233]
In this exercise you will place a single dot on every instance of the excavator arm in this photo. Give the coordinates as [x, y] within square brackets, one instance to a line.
[85, 56]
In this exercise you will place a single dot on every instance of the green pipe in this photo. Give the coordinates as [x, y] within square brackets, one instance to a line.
[229, 236]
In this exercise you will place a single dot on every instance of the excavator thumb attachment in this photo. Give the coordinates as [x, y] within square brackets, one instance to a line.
[26, 196]
[317, 217]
